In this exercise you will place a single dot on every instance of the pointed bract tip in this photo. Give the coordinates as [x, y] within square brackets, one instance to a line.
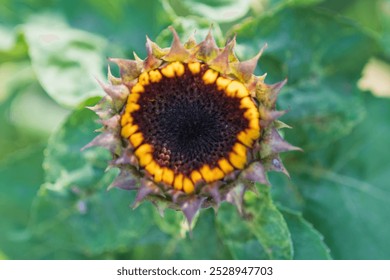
[209, 35]
[236, 197]
[126, 180]
[213, 191]
[127, 157]
[129, 69]
[276, 164]
[173, 30]
[231, 46]
[221, 62]
[153, 49]
[275, 88]
[136, 57]
[148, 40]
[232, 40]
[245, 69]
[103, 108]
[147, 187]
[152, 60]
[256, 173]
[112, 79]
[278, 144]
[207, 49]
[269, 116]
[191, 42]
[105, 140]
[280, 125]
[177, 52]
[118, 93]
[190, 208]
[112, 124]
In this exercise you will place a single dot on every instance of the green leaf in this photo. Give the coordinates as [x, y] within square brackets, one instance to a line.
[21, 176]
[368, 14]
[203, 242]
[16, 76]
[308, 243]
[66, 61]
[22, 101]
[320, 112]
[271, 6]
[322, 56]
[124, 22]
[90, 223]
[384, 13]
[65, 165]
[14, 47]
[327, 47]
[261, 234]
[17, 84]
[8, 39]
[214, 10]
[3, 256]
[186, 28]
[344, 188]
[73, 212]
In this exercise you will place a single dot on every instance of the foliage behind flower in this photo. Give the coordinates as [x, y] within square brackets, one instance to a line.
[55, 197]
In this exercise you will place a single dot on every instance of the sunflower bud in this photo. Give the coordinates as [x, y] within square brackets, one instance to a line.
[190, 126]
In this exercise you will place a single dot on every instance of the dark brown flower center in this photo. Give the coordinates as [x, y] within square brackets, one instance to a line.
[187, 124]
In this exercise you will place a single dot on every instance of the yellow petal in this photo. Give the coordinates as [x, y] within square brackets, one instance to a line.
[188, 186]
[237, 161]
[125, 119]
[178, 182]
[194, 67]
[155, 76]
[252, 113]
[225, 166]
[254, 124]
[222, 83]
[128, 130]
[168, 71]
[143, 149]
[158, 175]
[246, 103]
[210, 76]
[136, 139]
[236, 89]
[253, 133]
[133, 98]
[145, 159]
[195, 176]
[132, 107]
[217, 173]
[207, 174]
[143, 79]
[167, 176]
[239, 149]
[138, 88]
[244, 138]
[152, 167]
[179, 68]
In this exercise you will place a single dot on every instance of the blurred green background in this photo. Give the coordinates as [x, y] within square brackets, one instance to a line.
[53, 198]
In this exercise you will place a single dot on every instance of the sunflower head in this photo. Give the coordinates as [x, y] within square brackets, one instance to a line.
[191, 125]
